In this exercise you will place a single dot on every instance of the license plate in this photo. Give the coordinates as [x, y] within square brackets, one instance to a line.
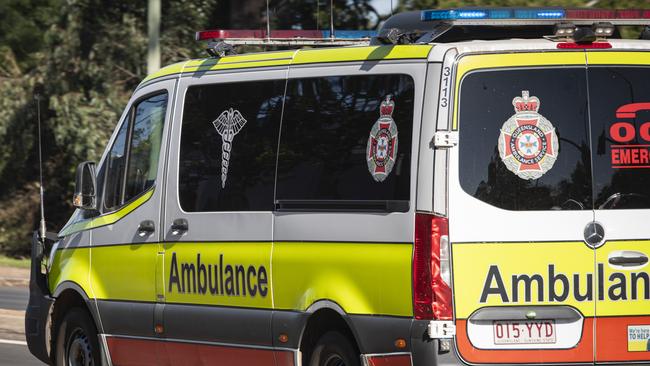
[524, 332]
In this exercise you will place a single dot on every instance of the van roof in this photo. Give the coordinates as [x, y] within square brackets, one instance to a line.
[369, 53]
[294, 57]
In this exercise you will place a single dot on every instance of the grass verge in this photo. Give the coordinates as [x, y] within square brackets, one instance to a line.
[15, 263]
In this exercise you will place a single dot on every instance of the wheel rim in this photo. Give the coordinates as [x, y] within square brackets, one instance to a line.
[79, 351]
[334, 360]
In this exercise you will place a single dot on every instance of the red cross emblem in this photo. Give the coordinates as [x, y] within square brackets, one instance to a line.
[528, 144]
[382, 143]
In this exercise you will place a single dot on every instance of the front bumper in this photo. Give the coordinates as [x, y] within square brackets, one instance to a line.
[38, 309]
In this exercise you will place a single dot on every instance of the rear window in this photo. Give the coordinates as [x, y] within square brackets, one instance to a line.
[346, 143]
[620, 118]
[524, 138]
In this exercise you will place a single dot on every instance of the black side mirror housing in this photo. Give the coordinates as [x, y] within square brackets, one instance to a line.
[85, 192]
[645, 34]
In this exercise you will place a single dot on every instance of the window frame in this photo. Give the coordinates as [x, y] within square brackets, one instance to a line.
[128, 118]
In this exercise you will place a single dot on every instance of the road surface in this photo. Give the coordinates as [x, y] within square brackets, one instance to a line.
[16, 355]
[13, 351]
[14, 298]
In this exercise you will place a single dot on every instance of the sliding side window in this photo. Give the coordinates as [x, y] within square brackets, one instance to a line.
[229, 140]
[346, 143]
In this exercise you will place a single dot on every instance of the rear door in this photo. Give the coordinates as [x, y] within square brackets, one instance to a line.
[519, 200]
[619, 90]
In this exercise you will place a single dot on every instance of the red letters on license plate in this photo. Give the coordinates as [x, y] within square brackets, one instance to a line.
[524, 332]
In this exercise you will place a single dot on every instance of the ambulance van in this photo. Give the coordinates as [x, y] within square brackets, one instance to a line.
[472, 187]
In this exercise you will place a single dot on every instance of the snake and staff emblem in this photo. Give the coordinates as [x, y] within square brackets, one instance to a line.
[228, 124]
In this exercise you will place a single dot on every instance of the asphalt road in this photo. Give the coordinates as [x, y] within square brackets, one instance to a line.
[16, 355]
[14, 298]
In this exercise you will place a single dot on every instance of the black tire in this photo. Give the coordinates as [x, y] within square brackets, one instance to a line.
[334, 349]
[76, 342]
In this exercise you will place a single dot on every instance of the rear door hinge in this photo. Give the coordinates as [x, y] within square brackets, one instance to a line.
[445, 139]
[440, 329]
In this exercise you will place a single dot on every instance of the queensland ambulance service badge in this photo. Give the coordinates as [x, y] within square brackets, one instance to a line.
[528, 144]
[382, 143]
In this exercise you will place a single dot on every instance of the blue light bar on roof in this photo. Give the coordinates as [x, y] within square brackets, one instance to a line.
[494, 13]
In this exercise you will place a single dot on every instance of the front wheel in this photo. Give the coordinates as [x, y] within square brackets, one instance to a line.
[76, 343]
[334, 349]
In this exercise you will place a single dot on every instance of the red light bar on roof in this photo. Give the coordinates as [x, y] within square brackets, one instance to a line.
[287, 37]
[255, 34]
[608, 14]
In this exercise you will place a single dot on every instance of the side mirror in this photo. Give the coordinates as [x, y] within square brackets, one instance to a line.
[85, 196]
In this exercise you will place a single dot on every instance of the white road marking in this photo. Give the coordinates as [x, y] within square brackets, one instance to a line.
[9, 341]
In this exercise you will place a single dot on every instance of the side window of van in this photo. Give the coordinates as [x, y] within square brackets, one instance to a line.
[115, 166]
[346, 143]
[132, 162]
[229, 139]
[620, 120]
[524, 139]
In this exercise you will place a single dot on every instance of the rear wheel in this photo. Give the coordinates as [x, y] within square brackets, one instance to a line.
[334, 349]
[77, 343]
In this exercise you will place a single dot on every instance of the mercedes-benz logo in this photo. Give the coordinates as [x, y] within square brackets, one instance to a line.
[594, 234]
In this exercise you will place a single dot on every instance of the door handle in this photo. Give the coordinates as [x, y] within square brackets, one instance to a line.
[179, 226]
[628, 258]
[146, 227]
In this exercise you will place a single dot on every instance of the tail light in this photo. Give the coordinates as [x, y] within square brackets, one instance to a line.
[431, 268]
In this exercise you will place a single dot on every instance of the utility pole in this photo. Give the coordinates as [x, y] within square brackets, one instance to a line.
[153, 28]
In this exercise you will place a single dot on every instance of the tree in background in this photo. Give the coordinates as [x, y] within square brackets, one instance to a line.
[84, 58]
[87, 57]
[293, 14]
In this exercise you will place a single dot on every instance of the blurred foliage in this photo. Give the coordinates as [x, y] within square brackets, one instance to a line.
[22, 25]
[83, 58]
[315, 14]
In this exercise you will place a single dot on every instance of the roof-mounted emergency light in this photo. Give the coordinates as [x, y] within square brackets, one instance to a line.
[285, 37]
[531, 16]
[221, 41]
[494, 13]
[251, 34]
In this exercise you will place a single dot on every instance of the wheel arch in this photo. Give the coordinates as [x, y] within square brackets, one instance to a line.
[324, 316]
[67, 295]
